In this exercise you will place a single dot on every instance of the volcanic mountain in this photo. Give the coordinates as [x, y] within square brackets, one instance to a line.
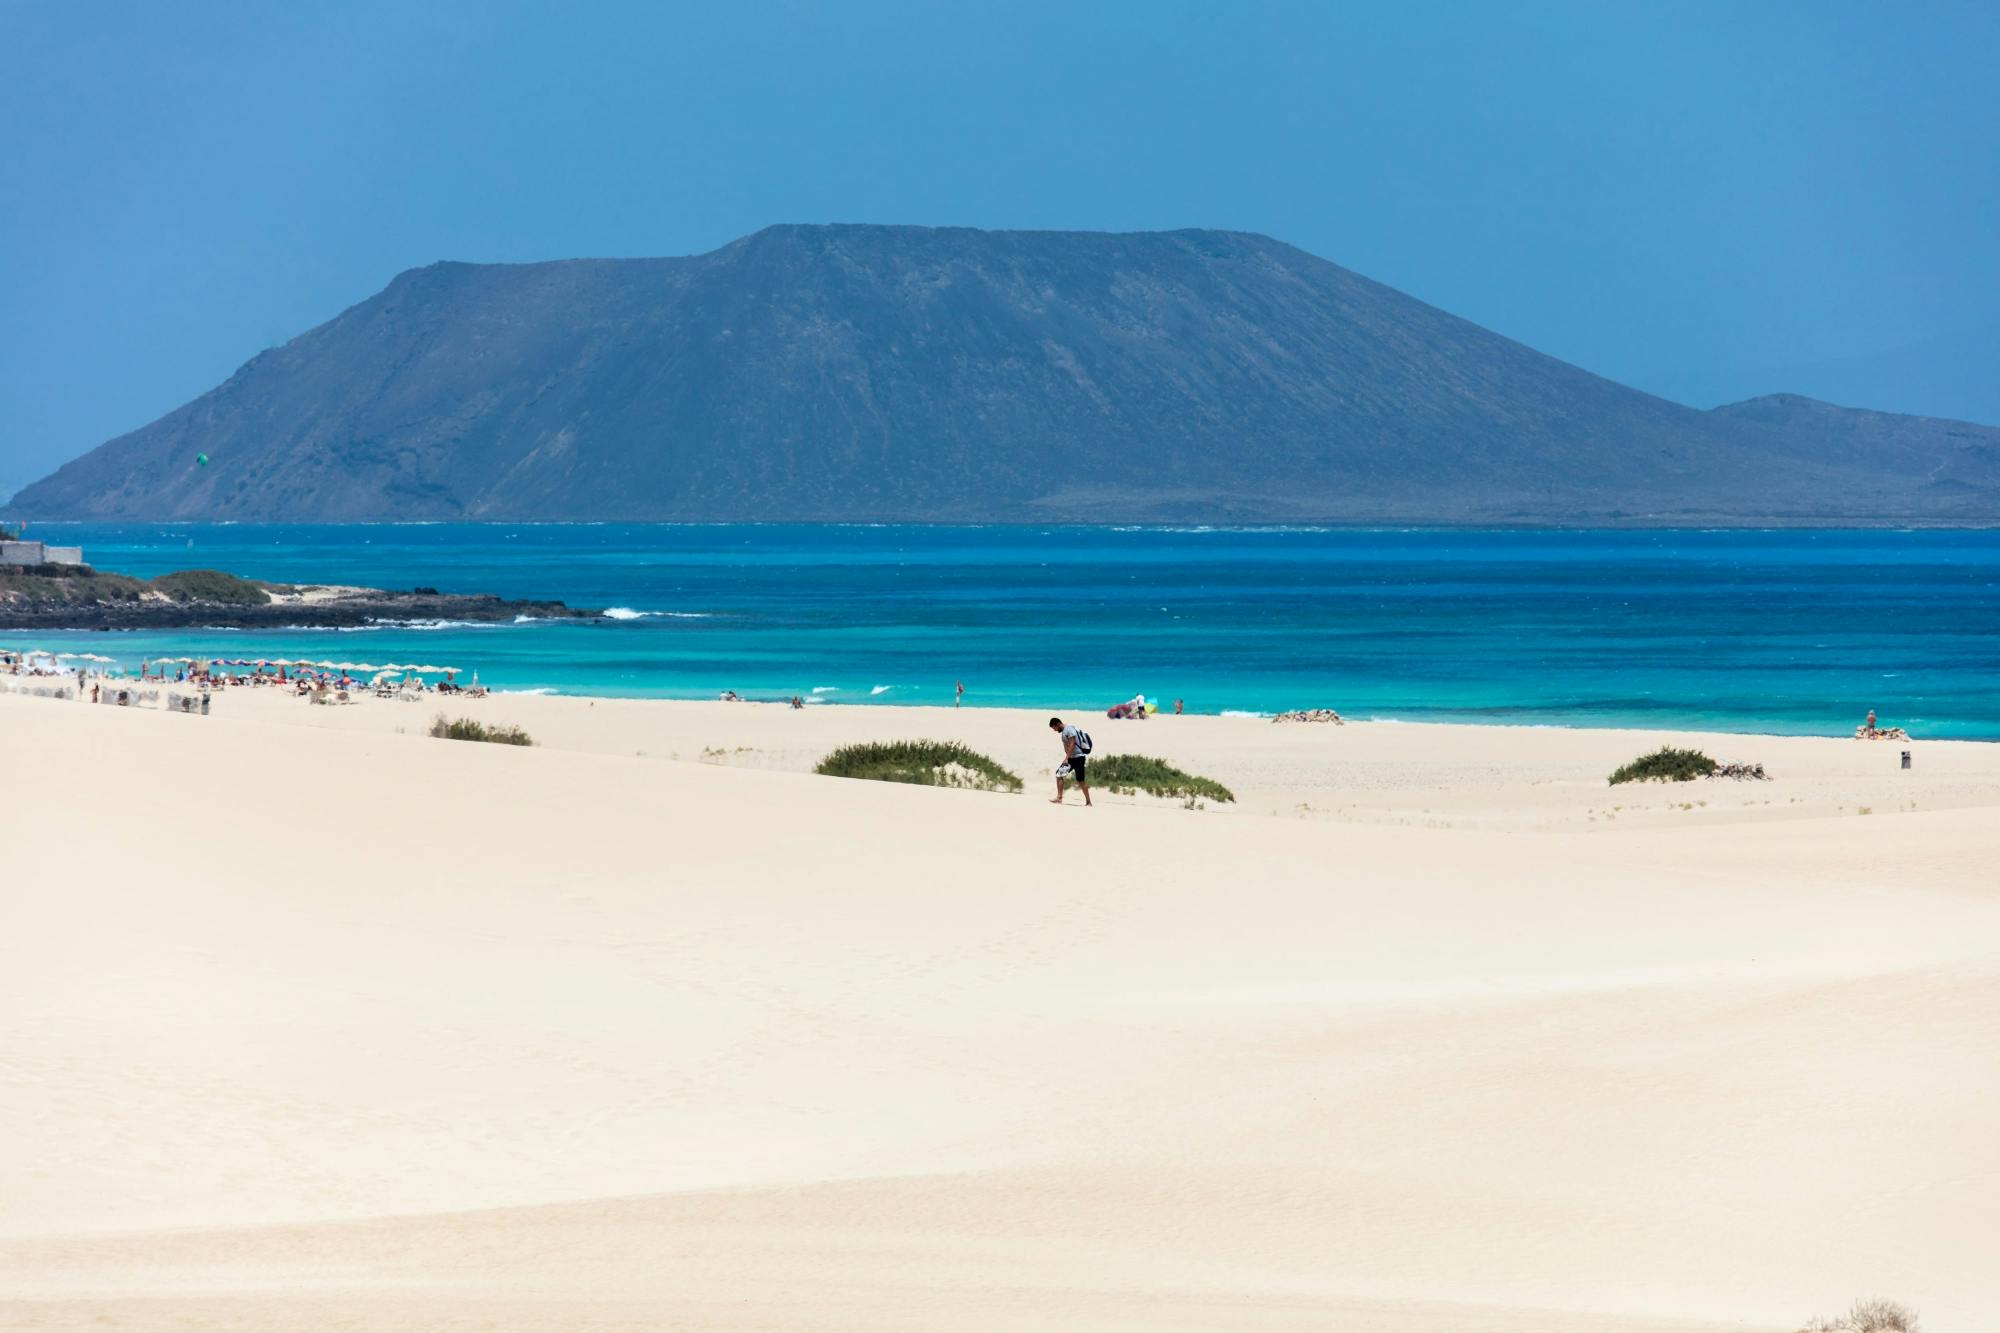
[869, 373]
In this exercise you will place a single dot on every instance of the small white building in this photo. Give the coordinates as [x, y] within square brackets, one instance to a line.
[39, 553]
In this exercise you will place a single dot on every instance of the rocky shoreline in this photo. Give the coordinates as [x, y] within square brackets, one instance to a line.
[285, 607]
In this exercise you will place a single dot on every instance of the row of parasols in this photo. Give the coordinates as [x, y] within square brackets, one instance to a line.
[303, 662]
[377, 673]
[55, 657]
[381, 672]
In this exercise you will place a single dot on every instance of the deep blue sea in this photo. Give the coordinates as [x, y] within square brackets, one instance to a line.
[1781, 631]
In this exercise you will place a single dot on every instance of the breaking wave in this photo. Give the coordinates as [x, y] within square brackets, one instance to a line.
[627, 613]
[429, 624]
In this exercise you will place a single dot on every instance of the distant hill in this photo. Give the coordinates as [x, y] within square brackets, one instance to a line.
[902, 373]
[1952, 367]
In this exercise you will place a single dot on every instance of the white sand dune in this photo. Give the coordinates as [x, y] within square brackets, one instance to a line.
[305, 1023]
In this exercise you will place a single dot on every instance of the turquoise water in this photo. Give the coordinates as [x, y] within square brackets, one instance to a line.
[1781, 631]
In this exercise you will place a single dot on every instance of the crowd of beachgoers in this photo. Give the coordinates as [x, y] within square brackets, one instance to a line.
[44, 675]
[187, 683]
[320, 682]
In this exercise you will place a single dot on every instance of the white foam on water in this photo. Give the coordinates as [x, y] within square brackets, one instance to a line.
[627, 613]
[826, 689]
[426, 624]
[882, 689]
[1253, 528]
[238, 629]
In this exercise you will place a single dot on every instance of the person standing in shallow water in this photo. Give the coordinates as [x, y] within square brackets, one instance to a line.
[1076, 757]
[959, 702]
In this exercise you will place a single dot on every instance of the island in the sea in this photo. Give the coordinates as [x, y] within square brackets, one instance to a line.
[946, 375]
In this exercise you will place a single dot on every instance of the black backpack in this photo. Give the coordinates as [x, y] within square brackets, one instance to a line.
[1082, 741]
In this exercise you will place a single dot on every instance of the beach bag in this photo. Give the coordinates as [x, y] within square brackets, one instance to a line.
[1082, 741]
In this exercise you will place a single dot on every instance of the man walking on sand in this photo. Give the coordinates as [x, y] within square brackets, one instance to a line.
[1076, 756]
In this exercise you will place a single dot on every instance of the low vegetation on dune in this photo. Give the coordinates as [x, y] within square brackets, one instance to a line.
[210, 585]
[1876, 1316]
[1127, 774]
[83, 585]
[924, 763]
[1666, 765]
[68, 583]
[469, 729]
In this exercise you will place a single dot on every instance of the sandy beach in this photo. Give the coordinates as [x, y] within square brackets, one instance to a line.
[309, 1020]
[1506, 779]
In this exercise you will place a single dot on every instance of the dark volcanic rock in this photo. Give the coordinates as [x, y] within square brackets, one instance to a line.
[902, 373]
[365, 606]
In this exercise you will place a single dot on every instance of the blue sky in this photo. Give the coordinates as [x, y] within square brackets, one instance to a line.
[1704, 200]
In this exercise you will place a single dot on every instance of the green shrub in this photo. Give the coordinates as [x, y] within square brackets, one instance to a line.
[210, 585]
[1666, 765]
[468, 729]
[925, 763]
[1129, 773]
